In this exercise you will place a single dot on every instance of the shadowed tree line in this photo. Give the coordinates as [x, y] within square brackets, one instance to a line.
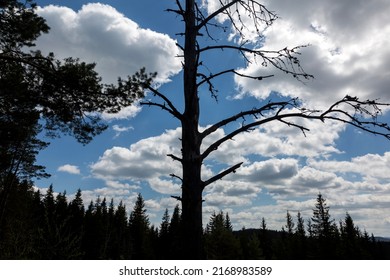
[50, 226]
[40, 93]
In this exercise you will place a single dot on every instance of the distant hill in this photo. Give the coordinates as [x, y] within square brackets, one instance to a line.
[382, 239]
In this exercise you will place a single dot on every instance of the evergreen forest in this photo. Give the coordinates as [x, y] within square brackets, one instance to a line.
[53, 226]
[43, 95]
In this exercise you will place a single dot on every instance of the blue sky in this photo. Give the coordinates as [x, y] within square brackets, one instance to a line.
[283, 170]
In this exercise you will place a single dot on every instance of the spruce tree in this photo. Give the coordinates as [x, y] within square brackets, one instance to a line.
[289, 223]
[164, 237]
[321, 220]
[122, 245]
[176, 233]
[300, 239]
[324, 230]
[220, 243]
[139, 226]
[265, 241]
[350, 238]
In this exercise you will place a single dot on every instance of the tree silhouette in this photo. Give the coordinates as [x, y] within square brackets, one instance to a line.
[198, 24]
[324, 229]
[41, 92]
[139, 226]
[63, 93]
[219, 238]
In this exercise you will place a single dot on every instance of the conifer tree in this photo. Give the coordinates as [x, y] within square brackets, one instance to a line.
[164, 237]
[250, 245]
[322, 224]
[139, 226]
[350, 236]
[220, 243]
[122, 246]
[19, 235]
[300, 230]
[265, 241]
[176, 233]
[324, 230]
[290, 224]
[300, 239]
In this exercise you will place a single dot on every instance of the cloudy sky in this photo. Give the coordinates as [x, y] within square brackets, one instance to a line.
[348, 53]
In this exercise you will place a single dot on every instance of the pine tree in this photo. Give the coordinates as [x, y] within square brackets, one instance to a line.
[228, 224]
[324, 230]
[165, 237]
[92, 239]
[265, 241]
[300, 239]
[176, 232]
[300, 230]
[322, 224]
[122, 245]
[287, 242]
[290, 224]
[139, 226]
[19, 235]
[350, 236]
[220, 243]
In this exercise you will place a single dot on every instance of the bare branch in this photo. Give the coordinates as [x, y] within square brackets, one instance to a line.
[256, 112]
[180, 10]
[175, 176]
[176, 197]
[235, 10]
[207, 79]
[175, 157]
[167, 106]
[216, 13]
[285, 59]
[356, 115]
[222, 174]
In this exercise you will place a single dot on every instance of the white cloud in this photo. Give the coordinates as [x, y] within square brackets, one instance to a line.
[291, 183]
[125, 113]
[346, 57]
[72, 169]
[348, 52]
[99, 33]
[145, 160]
[371, 166]
[120, 129]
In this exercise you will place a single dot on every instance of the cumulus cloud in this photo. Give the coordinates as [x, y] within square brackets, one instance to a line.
[292, 182]
[68, 168]
[145, 160]
[348, 52]
[98, 33]
[371, 166]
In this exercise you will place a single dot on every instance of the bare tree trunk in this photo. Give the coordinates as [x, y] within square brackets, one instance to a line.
[285, 60]
[191, 141]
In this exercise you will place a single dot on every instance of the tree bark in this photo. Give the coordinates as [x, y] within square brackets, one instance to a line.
[192, 186]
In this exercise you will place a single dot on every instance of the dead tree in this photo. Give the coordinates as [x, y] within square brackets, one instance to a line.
[198, 24]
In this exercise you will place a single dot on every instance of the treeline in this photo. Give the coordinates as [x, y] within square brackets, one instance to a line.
[48, 226]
